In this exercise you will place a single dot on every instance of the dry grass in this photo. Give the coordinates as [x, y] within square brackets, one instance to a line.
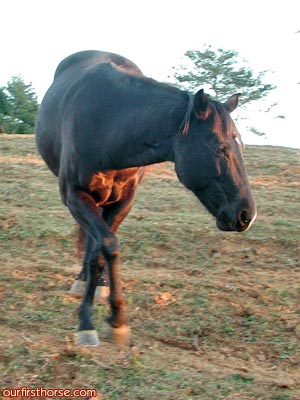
[213, 315]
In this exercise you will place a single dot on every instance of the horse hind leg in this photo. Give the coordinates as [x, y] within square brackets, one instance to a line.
[102, 289]
[79, 284]
[78, 287]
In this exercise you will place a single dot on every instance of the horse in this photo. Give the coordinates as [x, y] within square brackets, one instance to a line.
[99, 125]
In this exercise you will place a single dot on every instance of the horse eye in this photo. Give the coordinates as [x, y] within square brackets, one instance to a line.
[221, 150]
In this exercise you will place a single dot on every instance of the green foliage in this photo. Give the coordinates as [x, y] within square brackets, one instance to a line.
[256, 131]
[18, 107]
[4, 105]
[223, 73]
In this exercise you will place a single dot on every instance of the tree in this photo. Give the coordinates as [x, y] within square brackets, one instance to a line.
[221, 72]
[4, 107]
[18, 106]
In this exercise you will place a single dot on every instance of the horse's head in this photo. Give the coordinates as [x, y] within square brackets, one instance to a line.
[209, 162]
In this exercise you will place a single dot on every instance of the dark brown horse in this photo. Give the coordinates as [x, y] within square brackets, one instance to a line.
[100, 123]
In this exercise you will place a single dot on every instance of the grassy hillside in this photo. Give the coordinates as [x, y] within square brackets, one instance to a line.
[213, 315]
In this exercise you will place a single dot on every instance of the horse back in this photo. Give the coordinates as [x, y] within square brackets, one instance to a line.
[51, 122]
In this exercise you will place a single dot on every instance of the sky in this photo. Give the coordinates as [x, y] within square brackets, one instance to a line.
[37, 34]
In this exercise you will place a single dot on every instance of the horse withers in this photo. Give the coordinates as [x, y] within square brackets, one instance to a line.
[100, 123]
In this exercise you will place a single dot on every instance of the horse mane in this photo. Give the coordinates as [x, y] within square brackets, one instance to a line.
[185, 123]
[221, 121]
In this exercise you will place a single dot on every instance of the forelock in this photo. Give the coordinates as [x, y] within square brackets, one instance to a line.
[221, 124]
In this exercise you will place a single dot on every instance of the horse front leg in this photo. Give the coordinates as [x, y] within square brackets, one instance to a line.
[87, 334]
[118, 319]
[113, 215]
[84, 209]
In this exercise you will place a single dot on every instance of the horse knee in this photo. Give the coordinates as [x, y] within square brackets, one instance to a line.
[111, 247]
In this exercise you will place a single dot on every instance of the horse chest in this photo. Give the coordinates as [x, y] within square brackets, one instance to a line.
[112, 186]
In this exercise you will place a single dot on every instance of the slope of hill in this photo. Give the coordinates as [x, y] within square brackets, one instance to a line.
[213, 315]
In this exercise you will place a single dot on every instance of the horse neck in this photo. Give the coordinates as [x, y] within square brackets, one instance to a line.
[154, 141]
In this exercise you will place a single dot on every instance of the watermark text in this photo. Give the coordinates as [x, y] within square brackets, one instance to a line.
[31, 393]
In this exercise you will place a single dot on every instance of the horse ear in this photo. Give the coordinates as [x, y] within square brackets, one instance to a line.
[201, 105]
[232, 102]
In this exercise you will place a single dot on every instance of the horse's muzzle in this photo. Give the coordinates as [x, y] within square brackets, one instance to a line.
[241, 222]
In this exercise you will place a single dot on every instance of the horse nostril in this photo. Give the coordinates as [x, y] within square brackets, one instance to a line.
[244, 219]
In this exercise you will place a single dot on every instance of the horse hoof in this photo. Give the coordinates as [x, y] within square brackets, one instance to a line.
[120, 336]
[102, 293]
[87, 338]
[77, 288]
